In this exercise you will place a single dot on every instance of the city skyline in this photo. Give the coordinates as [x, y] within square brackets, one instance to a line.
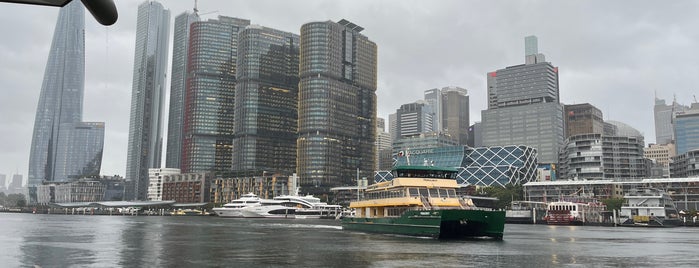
[592, 64]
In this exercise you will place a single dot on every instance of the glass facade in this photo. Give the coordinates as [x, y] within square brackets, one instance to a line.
[687, 130]
[266, 101]
[210, 95]
[178, 81]
[79, 151]
[483, 166]
[61, 96]
[337, 105]
[455, 114]
[147, 95]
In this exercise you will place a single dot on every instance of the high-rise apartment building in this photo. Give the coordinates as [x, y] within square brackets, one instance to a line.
[664, 116]
[79, 151]
[455, 113]
[524, 107]
[596, 156]
[337, 105]
[210, 95]
[147, 95]
[178, 83]
[686, 127]
[266, 101]
[61, 97]
[583, 119]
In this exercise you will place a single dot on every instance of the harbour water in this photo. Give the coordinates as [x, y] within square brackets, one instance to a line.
[33, 240]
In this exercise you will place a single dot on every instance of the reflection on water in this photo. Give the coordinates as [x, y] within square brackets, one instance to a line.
[141, 241]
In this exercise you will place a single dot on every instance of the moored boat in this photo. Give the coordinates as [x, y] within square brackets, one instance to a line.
[648, 207]
[574, 213]
[233, 209]
[422, 201]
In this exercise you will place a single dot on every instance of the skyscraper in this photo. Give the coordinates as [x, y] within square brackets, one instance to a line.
[664, 116]
[210, 95]
[524, 108]
[178, 82]
[455, 113]
[414, 119]
[434, 98]
[61, 96]
[266, 101]
[687, 130]
[583, 119]
[147, 95]
[79, 151]
[337, 105]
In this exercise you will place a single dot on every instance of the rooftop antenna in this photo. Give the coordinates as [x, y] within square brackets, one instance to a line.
[196, 10]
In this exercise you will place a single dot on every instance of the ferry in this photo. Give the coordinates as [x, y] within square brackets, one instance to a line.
[648, 207]
[574, 213]
[422, 201]
[310, 207]
[233, 209]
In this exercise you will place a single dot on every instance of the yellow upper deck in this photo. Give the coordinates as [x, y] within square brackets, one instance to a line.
[413, 182]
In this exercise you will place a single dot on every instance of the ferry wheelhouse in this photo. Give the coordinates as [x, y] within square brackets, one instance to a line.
[422, 201]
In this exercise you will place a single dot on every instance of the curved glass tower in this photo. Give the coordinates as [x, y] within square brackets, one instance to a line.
[61, 96]
[147, 95]
[337, 105]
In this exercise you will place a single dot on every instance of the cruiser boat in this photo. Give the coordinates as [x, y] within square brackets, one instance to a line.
[269, 208]
[525, 212]
[233, 209]
[310, 207]
[648, 207]
[422, 201]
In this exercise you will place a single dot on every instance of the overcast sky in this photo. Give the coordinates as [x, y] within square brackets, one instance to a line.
[615, 55]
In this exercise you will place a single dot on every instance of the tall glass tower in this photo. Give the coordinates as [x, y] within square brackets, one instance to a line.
[178, 82]
[210, 95]
[147, 95]
[266, 100]
[337, 105]
[61, 95]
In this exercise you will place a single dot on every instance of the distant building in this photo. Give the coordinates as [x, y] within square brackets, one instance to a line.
[16, 186]
[483, 166]
[156, 176]
[622, 129]
[229, 187]
[524, 106]
[266, 100]
[3, 182]
[455, 113]
[423, 141]
[82, 190]
[188, 187]
[414, 119]
[595, 156]
[207, 144]
[337, 105]
[178, 85]
[384, 147]
[583, 119]
[79, 152]
[475, 135]
[661, 154]
[687, 130]
[685, 165]
[664, 115]
[148, 95]
[61, 98]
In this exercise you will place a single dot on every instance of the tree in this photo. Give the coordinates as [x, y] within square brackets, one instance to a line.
[505, 195]
[613, 203]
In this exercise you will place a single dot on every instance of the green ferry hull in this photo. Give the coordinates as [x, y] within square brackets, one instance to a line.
[443, 224]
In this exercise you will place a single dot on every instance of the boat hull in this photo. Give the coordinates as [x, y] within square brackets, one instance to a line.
[443, 224]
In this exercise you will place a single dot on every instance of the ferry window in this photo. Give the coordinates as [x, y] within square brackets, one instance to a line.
[413, 191]
[423, 192]
[452, 193]
[443, 193]
[434, 192]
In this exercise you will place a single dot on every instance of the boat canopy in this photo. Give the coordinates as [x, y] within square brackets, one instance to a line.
[425, 172]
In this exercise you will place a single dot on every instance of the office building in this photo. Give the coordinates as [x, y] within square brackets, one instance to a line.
[210, 95]
[384, 149]
[661, 154]
[178, 83]
[414, 119]
[475, 135]
[664, 116]
[687, 130]
[524, 107]
[337, 105]
[61, 97]
[455, 113]
[147, 95]
[79, 151]
[266, 101]
[583, 119]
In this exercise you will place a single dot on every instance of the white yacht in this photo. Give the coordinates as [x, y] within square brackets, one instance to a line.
[233, 209]
[648, 207]
[310, 207]
[269, 208]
